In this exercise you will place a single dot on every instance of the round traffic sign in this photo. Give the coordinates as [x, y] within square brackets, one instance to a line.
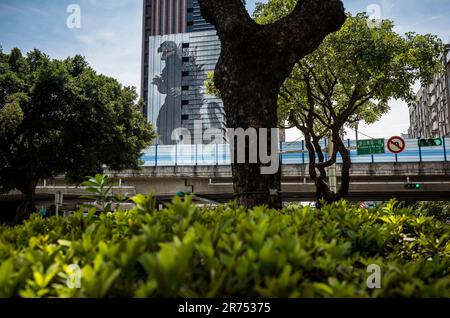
[396, 145]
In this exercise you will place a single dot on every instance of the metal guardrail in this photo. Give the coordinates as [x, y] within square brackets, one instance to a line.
[291, 153]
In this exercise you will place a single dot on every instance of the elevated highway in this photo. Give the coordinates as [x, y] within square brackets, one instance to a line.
[378, 181]
[369, 182]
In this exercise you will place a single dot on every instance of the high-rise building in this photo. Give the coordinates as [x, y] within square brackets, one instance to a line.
[430, 114]
[195, 19]
[179, 48]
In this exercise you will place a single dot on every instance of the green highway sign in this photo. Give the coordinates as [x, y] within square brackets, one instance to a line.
[371, 147]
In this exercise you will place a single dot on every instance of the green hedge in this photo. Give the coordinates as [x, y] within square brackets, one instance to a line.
[185, 251]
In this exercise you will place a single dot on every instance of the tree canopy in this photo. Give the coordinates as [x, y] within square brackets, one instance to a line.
[61, 117]
[357, 70]
[350, 77]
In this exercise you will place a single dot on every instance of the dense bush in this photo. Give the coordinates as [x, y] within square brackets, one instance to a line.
[185, 251]
[440, 210]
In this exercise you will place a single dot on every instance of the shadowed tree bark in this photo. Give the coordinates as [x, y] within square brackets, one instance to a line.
[254, 63]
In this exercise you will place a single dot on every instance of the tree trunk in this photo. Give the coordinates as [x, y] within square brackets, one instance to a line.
[251, 186]
[318, 165]
[324, 192]
[28, 204]
[345, 170]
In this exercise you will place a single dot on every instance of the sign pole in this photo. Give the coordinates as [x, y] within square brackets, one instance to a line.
[58, 202]
[420, 152]
[445, 148]
[332, 170]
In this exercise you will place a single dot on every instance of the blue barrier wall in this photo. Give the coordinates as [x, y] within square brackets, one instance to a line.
[292, 153]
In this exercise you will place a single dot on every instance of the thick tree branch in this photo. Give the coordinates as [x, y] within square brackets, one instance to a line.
[304, 29]
[295, 122]
[228, 16]
[330, 162]
[354, 105]
[308, 111]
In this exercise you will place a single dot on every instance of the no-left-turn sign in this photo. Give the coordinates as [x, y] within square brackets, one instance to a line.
[396, 145]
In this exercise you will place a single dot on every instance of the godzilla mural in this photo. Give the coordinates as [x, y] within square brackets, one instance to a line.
[177, 98]
[169, 84]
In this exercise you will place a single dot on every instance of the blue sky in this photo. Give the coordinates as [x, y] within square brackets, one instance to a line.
[110, 35]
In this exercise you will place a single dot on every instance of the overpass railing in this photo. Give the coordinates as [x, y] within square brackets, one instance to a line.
[291, 153]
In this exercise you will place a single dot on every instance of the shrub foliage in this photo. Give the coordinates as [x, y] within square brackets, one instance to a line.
[186, 251]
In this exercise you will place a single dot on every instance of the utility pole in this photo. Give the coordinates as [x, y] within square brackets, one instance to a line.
[446, 61]
[58, 201]
[356, 130]
[332, 171]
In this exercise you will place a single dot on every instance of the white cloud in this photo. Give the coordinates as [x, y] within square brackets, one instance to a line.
[97, 38]
[38, 11]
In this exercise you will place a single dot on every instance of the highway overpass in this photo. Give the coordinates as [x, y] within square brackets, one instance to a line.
[379, 181]
[370, 182]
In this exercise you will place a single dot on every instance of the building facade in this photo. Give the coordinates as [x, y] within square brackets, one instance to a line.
[430, 115]
[178, 50]
[195, 19]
